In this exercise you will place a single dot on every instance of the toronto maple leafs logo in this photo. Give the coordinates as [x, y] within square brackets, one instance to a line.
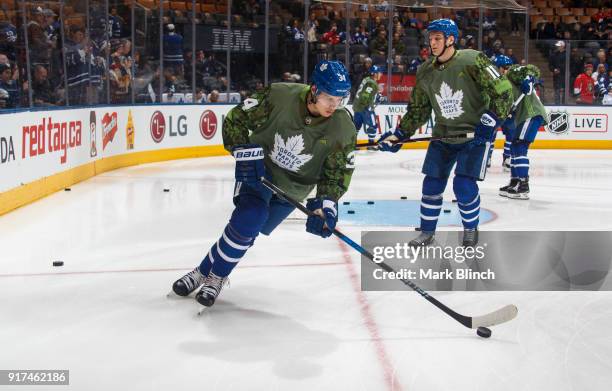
[288, 155]
[450, 102]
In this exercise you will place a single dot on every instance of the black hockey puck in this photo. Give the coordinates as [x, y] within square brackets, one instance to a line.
[166, 190]
[404, 197]
[446, 210]
[346, 203]
[370, 202]
[351, 212]
[67, 189]
[483, 332]
[455, 201]
[58, 263]
[417, 229]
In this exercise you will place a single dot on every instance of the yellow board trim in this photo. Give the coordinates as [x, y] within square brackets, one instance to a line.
[30, 192]
[538, 144]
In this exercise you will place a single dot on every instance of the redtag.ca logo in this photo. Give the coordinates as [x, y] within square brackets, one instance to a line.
[109, 128]
[208, 124]
[48, 136]
[158, 126]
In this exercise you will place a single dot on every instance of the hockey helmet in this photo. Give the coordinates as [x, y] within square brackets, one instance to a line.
[332, 78]
[446, 27]
[502, 61]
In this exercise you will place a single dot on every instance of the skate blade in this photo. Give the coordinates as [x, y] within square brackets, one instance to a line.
[519, 196]
[173, 296]
[503, 194]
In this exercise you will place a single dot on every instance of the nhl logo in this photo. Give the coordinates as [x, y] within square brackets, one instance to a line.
[307, 120]
[558, 123]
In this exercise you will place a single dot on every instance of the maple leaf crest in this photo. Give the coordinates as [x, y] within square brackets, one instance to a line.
[288, 155]
[450, 102]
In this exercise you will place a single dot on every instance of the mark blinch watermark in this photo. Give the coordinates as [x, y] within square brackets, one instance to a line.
[502, 260]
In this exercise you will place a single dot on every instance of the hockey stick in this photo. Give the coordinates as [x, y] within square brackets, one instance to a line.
[375, 143]
[502, 315]
[511, 114]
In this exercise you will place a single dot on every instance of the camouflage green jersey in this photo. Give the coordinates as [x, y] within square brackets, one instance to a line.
[458, 91]
[530, 106]
[366, 95]
[301, 151]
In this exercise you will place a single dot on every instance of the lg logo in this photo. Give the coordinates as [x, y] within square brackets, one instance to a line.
[158, 126]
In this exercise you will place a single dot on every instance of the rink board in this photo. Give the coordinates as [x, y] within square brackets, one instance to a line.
[42, 152]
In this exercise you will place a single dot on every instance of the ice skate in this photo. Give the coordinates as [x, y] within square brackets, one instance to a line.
[424, 239]
[188, 283]
[506, 164]
[211, 289]
[520, 191]
[503, 191]
[470, 237]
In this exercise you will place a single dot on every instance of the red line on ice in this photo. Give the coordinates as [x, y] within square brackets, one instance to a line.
[368, 319]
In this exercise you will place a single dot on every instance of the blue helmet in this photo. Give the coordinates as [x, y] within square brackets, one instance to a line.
[503, 61]
[446, 27]
[376, 69]
[332, 78]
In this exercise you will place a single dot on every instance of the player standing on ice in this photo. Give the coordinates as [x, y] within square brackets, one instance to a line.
[366, 99]
[296, 136]
[503, 63]
[467, 95]
[529, 115]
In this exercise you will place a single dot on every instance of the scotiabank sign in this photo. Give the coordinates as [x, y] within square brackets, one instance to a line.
[401, 87]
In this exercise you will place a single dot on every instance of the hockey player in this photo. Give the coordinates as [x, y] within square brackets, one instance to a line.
[365, 101]
[503, 63]
[522, 128]
[297, 136]
[468, 96]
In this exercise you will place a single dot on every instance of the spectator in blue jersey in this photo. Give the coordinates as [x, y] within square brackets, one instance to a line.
[360, 37]
[173, 49]
[510, 54]
[116, 24]
[10, 86]
[414, 64]
[52, 26]
[77, 65]
[8, 39]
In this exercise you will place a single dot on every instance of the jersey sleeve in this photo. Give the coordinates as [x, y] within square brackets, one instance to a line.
[245, 117]
[417, 113]
[517, 73]
[338, 169]
[495, 86]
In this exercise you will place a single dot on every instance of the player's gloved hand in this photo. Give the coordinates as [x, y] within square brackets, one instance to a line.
[527, 85]
[485, 128]
[325, 218]
[249, 164]
[388, 142]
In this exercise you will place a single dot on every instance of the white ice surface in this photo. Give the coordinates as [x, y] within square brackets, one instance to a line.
[293, 317]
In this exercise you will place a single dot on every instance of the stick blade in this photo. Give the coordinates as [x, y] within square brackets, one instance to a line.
[502, 315]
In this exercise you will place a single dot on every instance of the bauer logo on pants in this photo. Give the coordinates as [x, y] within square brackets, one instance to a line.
[559, 122]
